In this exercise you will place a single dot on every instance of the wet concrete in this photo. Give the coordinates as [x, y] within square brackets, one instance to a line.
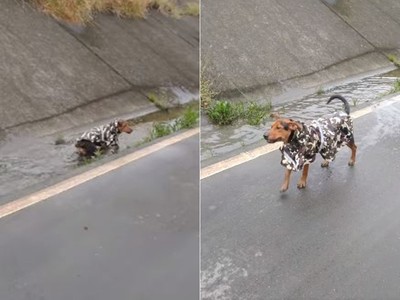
[271, 45]
[132, 233]
[376, 21]
[59, 77]
[220, 141]
[337, 239]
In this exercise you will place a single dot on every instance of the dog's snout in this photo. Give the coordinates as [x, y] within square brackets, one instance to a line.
[265, 136]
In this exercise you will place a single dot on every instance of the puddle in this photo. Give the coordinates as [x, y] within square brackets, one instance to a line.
[27, 161]
[217, 141]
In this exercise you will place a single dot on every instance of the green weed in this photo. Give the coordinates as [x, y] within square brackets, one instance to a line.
[153, 98]
[160, 130]
[189, 119]
[396, 87]
[256, 113]
[393, 59]
[224, 112]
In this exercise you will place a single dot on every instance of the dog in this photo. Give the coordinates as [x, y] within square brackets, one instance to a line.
[302, 142]
[101, 138]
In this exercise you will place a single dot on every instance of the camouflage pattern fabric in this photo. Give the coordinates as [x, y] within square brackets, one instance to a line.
[325, 136]
[105, 135]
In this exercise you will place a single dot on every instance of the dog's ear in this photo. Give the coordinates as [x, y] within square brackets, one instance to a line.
[293, 125]
[275, 116]
[122, 123]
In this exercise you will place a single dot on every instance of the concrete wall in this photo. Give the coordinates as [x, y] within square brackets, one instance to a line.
[50, 70]
[266, 46]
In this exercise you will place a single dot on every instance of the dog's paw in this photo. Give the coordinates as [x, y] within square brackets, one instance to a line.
[351, 163]
[284, 188]
[301, 184]
[325, 164]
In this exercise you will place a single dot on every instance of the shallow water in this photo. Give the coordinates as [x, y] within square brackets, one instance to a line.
[27, 161]
[217, 141]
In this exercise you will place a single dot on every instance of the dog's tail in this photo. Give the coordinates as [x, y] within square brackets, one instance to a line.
[346, 104]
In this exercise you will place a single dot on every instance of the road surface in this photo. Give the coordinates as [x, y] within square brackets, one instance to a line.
[129, 234]
[337, 239]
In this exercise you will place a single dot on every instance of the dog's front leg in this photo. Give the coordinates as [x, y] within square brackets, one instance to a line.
[285, 184]
[303, 180]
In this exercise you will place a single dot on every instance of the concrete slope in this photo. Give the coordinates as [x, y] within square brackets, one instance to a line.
[50, 71]
[158, 51]
[248, 46]
[376, 21]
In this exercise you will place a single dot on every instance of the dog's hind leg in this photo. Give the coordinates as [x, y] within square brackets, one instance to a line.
[353, 148]
[303, 180]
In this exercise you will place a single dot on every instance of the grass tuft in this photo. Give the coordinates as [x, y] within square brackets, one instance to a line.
[160, 130]
[191, 9]
[396, 87]
[256, 113]
[393, 58]
[189, 119]
[224, 112]
[157, 101]
[83, 11]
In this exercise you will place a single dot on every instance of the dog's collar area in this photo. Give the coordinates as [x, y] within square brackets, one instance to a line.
[115, 127]
[295, 136]
[290, 139]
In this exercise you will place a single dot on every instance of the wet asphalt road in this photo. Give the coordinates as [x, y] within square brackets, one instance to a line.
[130, 234]
[337, 239]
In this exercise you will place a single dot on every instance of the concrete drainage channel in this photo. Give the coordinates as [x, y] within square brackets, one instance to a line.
[35, 161]
[218, 142]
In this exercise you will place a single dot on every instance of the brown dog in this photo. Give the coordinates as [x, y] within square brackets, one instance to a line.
[302, 142]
